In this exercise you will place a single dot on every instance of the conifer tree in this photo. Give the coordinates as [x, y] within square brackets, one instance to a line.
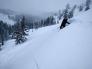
[88, 2]
[20, 33]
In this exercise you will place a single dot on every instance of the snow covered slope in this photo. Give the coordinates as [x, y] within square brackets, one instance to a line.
[6, 19]
[49, 48]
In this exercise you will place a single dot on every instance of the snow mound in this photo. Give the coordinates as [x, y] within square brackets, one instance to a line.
[51, 48]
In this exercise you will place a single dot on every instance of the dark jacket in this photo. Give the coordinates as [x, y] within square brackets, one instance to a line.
[63, 24]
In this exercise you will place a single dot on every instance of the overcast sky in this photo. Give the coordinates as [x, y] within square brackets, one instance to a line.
[36, 6]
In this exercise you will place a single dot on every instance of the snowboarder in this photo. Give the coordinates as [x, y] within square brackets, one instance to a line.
[65, 20]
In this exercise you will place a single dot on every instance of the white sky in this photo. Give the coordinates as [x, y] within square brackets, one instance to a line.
[36, 6]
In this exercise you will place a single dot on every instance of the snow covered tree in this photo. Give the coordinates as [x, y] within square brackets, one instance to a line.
[81, 7]
[71, 13]
[60, 14]
[88, 2]
[4, 32]
[1, 33]
[49, 21]
[20, 33]
[66, 11]
[23, 26]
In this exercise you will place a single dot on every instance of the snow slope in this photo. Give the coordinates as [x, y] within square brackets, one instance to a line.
[49, 48]
[6, 19]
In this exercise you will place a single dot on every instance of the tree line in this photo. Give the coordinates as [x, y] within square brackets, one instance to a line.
[69, 11]
[19, 30]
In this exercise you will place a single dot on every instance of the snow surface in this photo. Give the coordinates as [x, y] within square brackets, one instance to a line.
[5, 19]
[51, 48]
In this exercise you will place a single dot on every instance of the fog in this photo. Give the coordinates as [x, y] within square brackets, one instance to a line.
[36, 6]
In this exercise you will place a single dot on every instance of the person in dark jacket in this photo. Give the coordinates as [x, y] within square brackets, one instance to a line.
[63, 24]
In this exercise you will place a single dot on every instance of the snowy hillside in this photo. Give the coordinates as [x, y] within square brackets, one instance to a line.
[51, 48]
[6, 19]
